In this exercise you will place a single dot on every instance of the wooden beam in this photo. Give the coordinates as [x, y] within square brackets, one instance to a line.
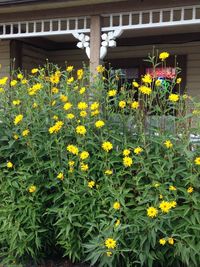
[95, 42]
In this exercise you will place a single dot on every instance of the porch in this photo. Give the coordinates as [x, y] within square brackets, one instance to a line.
[122, 38]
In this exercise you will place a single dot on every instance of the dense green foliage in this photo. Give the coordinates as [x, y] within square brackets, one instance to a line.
[98, 171]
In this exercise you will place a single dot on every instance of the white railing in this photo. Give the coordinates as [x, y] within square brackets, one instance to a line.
[187, 15]
[44, 27]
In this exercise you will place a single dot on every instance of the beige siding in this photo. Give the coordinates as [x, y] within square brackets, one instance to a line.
[32, 57]
[74, 57]
[192, 50]
[5, 58]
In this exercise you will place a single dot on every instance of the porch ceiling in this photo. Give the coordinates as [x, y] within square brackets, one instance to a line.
[129, 38]
[138, 33]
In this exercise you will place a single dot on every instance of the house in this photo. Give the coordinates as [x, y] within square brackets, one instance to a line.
[120, 32]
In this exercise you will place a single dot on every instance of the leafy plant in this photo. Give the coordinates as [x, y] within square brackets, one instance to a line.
[97, 170]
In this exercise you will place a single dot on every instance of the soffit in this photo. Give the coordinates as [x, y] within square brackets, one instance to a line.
[11, 6]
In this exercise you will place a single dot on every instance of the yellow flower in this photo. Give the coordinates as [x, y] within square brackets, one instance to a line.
[67, 106]
[116, 205]
[81, 130]
[197, 161]
[152, 212]
[13, 82]
[69, 68]
[110, 243]
[135, 84]
[32, 189]
[56, 127]
[25, 132]
[73, 149]
[54, 90]
[173, 97]
[91, 184]
[16, 102]
[35, 105]
[20, 76]
[95, 112]
[82, 90]
[99, 124]
[9, 164]
[94, 106]
[82, 105]
[190, 189]
[70, 116]
[2, 90]
[156, 185]
[126, 152]
[117, 223]
[70, 80]
[55, 117]
[147, 78]
[173, 204]
[18, 119]
[162, 241]
[127, 161]
[109, 253]
[71, 163]
[122, 104]
[138, 150]
[80, 74]
[84, 167]
[168, 144]
[33, 90]
[107, 146]
[163, 56]
[178, 81]
[135, 105]
[60, 176]
[84, 155]
[3, 80]
[171, 241]
[71, 169]
[54, 78]
[160, 196]
[63, 98]
[16, 137]
[112, 93]
[158, 82]
[24, 81]
[165, 206]
[145, 90]
[100, 69]
[35, 70]
[172, 188]
[108, 172]
[83, 113]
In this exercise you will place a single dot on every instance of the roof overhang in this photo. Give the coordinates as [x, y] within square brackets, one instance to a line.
[11, 6]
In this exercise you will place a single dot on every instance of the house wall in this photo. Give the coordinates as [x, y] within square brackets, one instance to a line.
[192, 50]
[69, 57]
[32, 57]
[5, 58]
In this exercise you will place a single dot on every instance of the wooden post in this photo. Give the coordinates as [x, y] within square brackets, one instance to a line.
[95, 42]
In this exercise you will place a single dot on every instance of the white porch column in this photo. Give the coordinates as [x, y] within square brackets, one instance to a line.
[95, 42]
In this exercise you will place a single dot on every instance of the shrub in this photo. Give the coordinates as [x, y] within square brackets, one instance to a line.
[98, 170]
